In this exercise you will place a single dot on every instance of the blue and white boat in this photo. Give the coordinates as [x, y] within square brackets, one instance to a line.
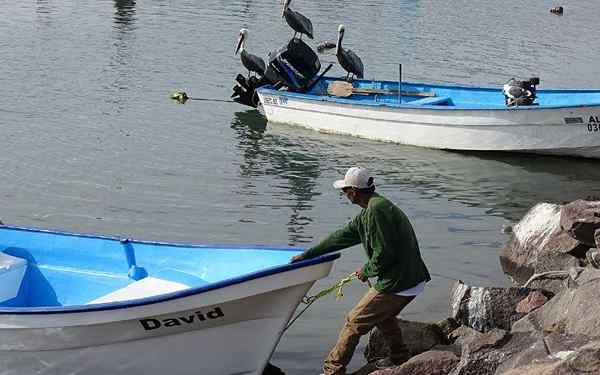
[558, 122]
[82, 304]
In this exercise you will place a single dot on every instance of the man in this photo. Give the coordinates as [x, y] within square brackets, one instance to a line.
[393, 257]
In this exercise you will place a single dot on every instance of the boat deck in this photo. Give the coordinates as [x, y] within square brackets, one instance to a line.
[46, 269]
[446, 96]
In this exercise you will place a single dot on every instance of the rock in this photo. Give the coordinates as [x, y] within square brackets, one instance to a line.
[553, 261]
[484, 354]
[419, 337]
[446, 327]
[485, 308]
[573, 311]
[490, 339]
[581, 218]
[534, 300]
[537, 233]
[546, 348]
[432, 362]
[454, 348]
[592, 257]
[596, 238]
[463, 335]
[584, 358]
[365, 370]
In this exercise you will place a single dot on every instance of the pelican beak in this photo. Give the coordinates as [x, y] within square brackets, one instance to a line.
[239, 44]
[286, 3]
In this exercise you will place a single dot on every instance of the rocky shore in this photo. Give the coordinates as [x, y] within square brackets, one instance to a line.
[547, 323]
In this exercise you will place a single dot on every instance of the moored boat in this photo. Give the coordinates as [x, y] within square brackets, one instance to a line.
[558, 122]
[73, 303]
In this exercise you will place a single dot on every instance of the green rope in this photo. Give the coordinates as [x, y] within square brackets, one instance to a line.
[339, 285]
[308, 300]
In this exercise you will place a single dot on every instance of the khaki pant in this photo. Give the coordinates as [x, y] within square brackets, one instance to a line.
[373, 310]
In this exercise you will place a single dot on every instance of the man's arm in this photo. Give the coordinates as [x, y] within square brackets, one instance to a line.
[340, 239]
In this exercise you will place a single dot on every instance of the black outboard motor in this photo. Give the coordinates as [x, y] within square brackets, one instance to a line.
[520, 92]
[294, 66]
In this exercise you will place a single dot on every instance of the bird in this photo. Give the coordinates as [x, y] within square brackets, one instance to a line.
[297, 21]
[325, 45]
[347, 58]
[251, 62]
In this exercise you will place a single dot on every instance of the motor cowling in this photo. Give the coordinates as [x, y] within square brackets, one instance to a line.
[520, 92]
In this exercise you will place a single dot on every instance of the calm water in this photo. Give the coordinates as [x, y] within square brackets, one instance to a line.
[91, 142]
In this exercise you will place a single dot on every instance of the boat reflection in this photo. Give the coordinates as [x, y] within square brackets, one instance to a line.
[268, 159]
[504, 184]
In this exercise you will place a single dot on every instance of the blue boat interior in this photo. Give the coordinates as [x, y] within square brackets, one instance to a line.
[385, 93]
[46, 269]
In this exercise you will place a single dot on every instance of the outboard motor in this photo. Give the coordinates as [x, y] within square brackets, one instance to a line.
[520, 92]
[294, 66]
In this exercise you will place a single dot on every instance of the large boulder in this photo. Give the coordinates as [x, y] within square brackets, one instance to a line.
[485, 308]
[499, 352]
[572, 311]
[581, 357]
[540, 244]
[482, 354]
[419, 337]
[581, 218]
[432, 362]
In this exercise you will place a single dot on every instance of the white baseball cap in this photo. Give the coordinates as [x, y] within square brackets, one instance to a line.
[356, 177]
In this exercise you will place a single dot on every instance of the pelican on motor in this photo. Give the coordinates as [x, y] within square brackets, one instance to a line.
[347, 58]
[297, 21]
[251, 62]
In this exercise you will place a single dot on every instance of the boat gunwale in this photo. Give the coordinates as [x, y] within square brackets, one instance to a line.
[268, 89]
[117, 305]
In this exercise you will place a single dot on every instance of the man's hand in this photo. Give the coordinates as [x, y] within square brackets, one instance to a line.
[361, 275]
[297, 258]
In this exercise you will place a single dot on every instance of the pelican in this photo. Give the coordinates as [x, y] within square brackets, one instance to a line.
[347, 58]
[251, 62]
[297, 21]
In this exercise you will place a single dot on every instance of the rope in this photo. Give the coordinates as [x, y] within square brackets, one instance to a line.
[308, 300]
[181, 97]
[573, 272]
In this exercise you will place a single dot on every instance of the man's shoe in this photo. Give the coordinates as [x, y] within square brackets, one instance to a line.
[387, 363]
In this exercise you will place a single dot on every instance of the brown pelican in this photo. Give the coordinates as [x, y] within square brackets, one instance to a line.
[297, 21]
[251, 62]
[348, 59]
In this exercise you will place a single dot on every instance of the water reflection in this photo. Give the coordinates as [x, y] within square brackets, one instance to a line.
[504, 184]
[280, 158]
[124, 20]
[124, 14]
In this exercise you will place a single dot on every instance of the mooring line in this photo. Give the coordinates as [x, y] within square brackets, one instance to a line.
[308, 300]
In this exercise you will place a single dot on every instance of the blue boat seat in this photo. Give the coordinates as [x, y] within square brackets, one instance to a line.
[12, 271]
[146, 287]
[432, 100]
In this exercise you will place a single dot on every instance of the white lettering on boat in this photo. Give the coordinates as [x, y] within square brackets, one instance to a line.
[152, 323]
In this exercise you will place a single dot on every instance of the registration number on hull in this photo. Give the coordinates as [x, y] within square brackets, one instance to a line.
[593, 124]
[274, 100]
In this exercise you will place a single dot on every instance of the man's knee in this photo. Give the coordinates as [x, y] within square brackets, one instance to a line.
[357, 327]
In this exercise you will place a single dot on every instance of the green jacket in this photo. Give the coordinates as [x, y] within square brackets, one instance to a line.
[389, 241]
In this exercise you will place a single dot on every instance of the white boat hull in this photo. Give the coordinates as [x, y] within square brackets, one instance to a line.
[533, 130]
[229, 330]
